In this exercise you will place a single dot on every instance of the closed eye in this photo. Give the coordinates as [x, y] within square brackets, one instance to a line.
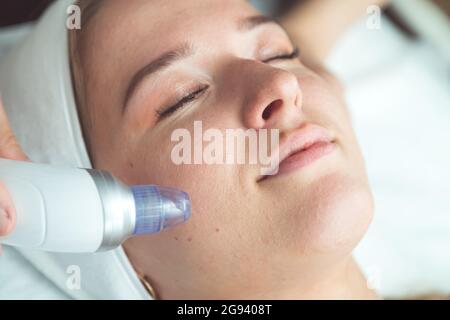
[182, 102]
[290, 56]
[165, 112]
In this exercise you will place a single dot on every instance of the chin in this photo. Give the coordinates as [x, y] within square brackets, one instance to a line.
[333, 215]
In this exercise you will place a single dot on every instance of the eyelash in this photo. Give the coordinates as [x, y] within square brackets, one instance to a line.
[294, 55]
[188, 98]
[199, 91]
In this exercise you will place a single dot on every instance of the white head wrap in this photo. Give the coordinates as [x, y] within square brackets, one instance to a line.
[36, 87]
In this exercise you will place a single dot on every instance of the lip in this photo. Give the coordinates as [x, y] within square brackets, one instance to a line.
[301, 148]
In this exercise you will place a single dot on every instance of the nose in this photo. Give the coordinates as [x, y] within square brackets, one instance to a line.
[273, 98]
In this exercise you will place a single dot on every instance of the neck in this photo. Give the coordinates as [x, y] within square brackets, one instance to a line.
[346, 282]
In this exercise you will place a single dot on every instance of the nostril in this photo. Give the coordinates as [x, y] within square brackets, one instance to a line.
[271, 108]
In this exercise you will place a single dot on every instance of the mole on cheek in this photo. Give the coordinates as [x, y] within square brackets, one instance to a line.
[189, 239]
[217, 229]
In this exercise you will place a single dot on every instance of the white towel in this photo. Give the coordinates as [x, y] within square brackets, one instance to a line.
[36, 88]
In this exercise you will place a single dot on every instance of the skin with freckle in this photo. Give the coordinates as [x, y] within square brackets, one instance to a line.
[279, 238]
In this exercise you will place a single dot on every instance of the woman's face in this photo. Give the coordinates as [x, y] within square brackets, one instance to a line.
[246, 234]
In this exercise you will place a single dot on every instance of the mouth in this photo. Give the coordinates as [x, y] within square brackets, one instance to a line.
[302, 148]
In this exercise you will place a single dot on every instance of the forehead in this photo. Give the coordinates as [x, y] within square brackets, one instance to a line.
[147, 27]
[157, 19]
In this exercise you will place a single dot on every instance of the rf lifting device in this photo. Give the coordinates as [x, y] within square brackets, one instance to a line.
[64, 209]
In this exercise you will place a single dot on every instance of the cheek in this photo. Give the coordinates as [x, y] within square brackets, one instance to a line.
[226, 223]
[210, 187]
[218, 236]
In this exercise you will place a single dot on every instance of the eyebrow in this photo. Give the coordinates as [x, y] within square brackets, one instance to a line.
[162, 62]
[186, 50]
